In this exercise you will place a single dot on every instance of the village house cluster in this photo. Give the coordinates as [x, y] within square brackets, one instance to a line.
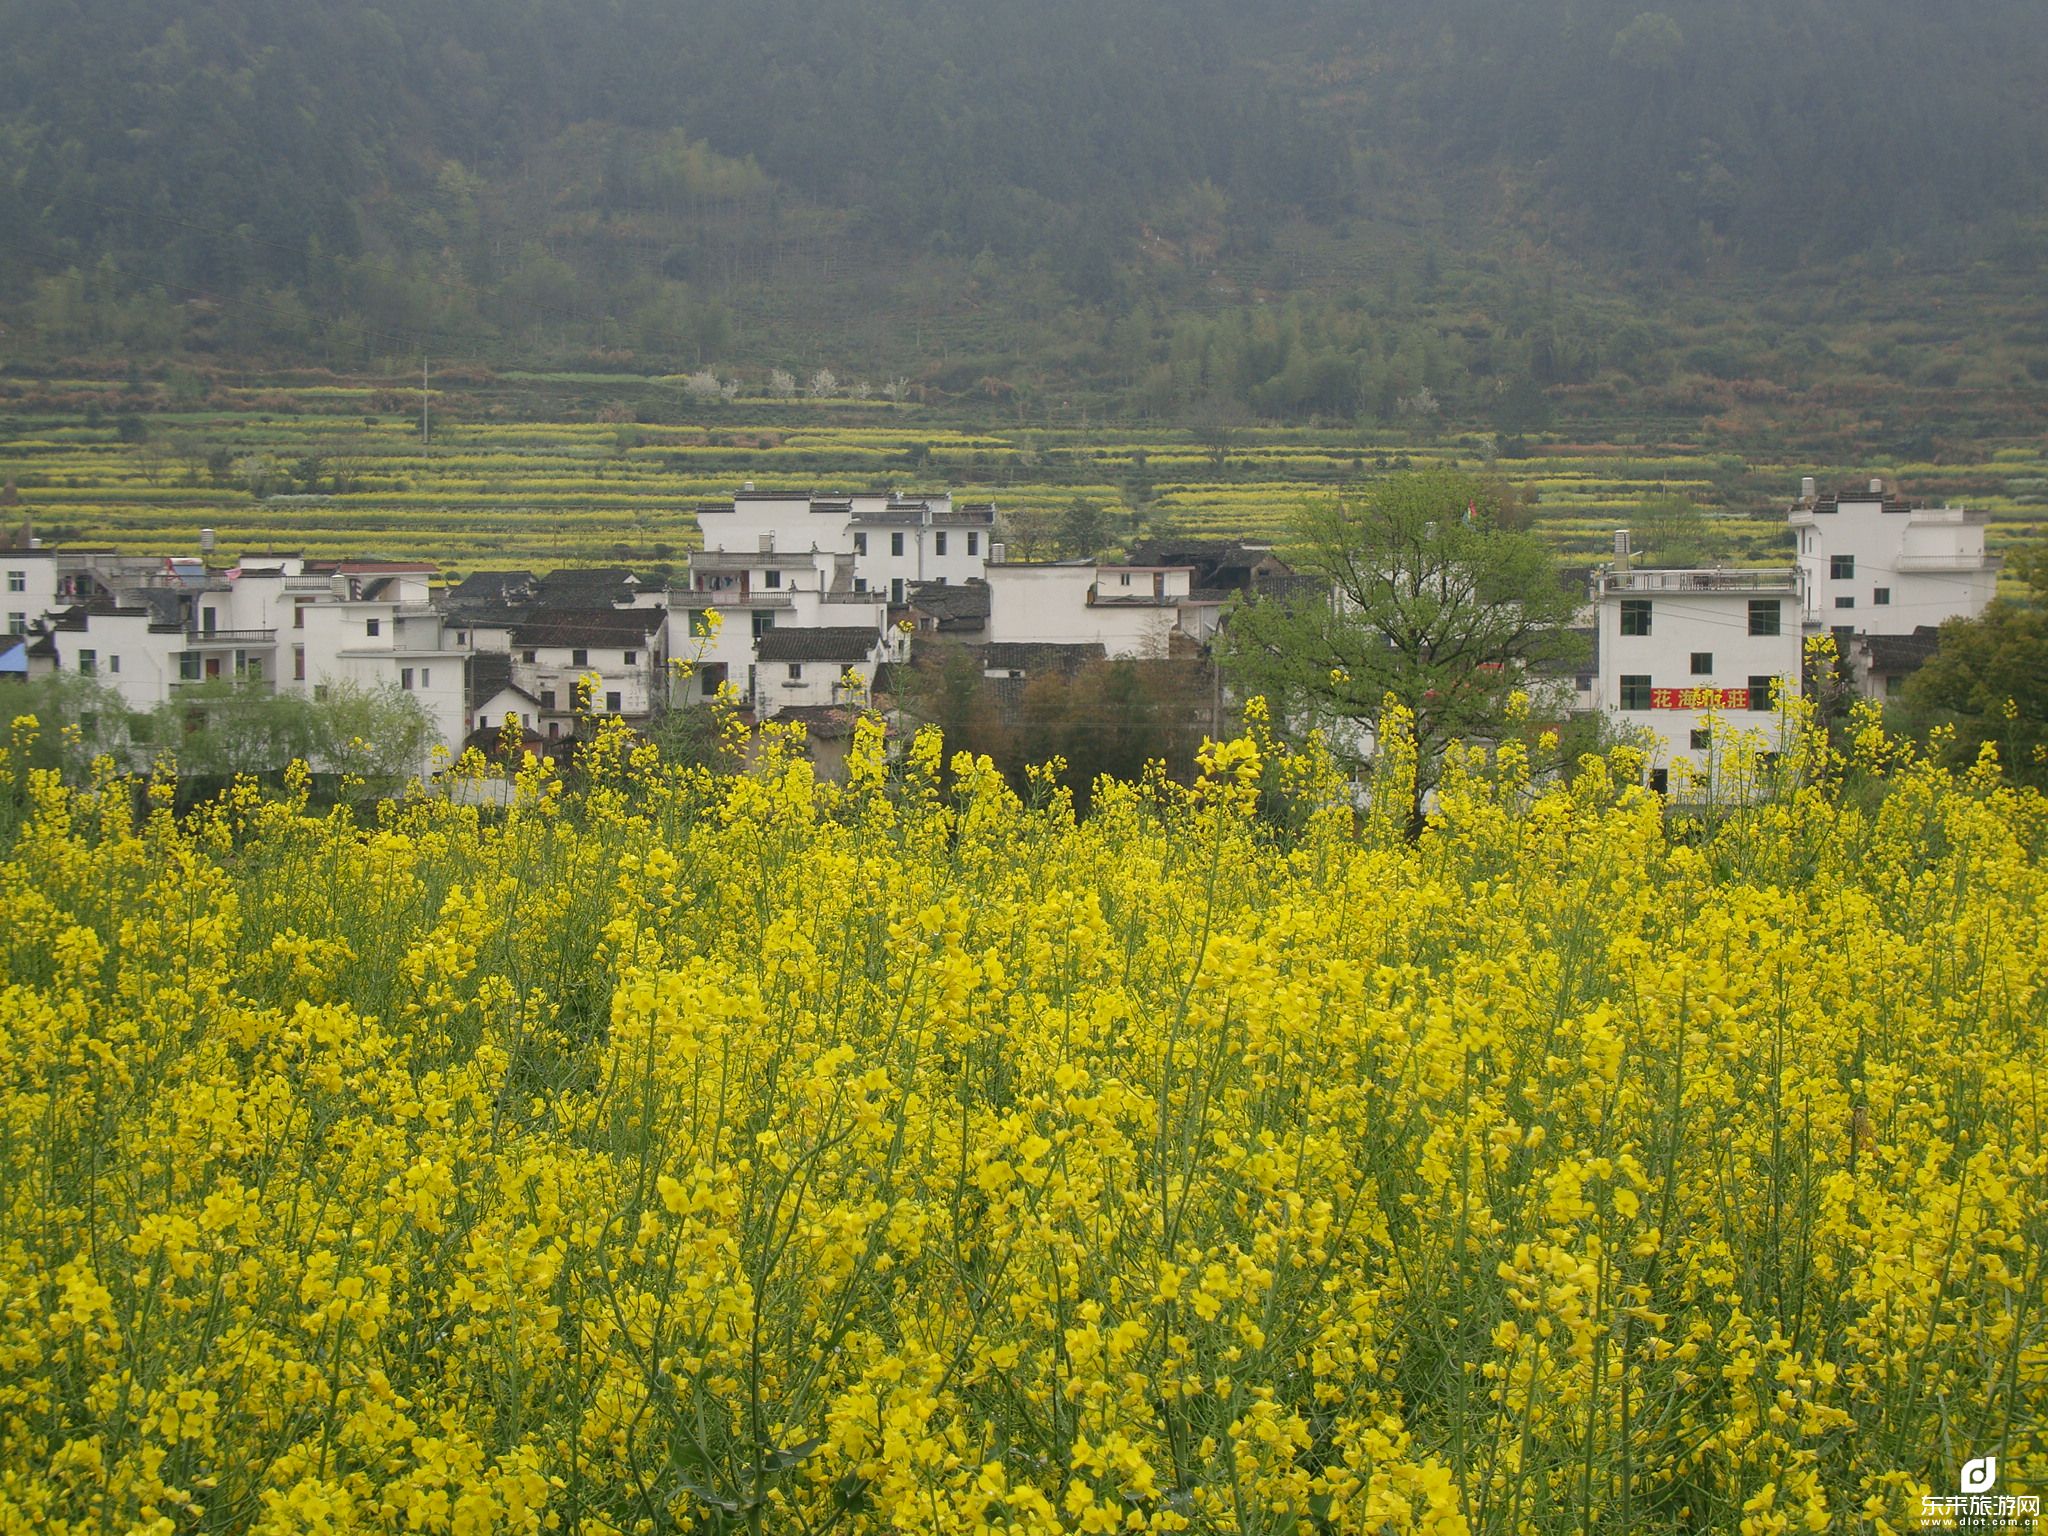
[1676, 649]
[804, 605]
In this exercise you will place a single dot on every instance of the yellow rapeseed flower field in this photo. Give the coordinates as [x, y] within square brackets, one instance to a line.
[739, 1152]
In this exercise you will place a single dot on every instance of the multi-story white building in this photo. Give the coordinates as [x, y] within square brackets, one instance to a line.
[29, 577]
[1129, 610]
[618, 655]
[775, 560]
[1875, 564]
[807, 668]
[151, 627]
[1680, 650]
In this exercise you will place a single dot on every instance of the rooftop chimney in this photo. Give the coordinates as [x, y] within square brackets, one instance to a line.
[206, 541]
[997, 553]
[748, 486]
[1808, 489]
[1876, 486]
[1621, 549]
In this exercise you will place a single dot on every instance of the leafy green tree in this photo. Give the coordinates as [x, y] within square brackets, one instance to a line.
[1423, 598]
[218, 730]
[1669, 530]
[1989, 681]
[1083, 529]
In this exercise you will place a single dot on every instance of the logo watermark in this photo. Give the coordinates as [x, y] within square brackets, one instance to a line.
[1978, 1506]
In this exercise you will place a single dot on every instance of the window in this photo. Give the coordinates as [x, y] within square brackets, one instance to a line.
[405, 678]
[974, 543]
[860, 583]
[17, 623]
[611, 702]
[1882, 597]
[860, 543]
[1842, 567]
[554, 729]
[17, 581]
[579, 658]
[114, 665]
[298, 615]
[1702, 663]
[209, 618]
[1635, 615]
[895, 543]
[1701, 740]
[712, 677]
[1763, 616]
[1635, 690]
[896, 589]
[632, 658]
[763, 622]
[1660, 781]
[1125, 580]
[796, 672]
[1894, 686]
[547, 698]
[938, 543]
[773, 578]
[526, 656]
[1760, 692]
[373, 626]
[88, 662]
[1845, 602]
[461, 637]
[426, 677]
[298, 663]
[188, 666]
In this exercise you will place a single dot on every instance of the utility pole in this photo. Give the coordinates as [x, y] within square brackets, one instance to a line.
[426, 436]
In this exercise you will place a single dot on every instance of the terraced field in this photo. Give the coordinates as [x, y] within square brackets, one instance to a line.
[323, 470]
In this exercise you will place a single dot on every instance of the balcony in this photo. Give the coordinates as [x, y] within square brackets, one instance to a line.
[200, 639]
[1781, 579]
[734, 597]
[1974, 561]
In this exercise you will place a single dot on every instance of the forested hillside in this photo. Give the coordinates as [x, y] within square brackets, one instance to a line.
[1288, 209]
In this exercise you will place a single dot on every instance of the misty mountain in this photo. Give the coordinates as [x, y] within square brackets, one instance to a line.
[517, 176]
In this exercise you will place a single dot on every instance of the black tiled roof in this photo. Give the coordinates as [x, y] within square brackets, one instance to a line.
[626, 627]
[1039, 656]
[488, 672]
[962, 606]
[832, 643]
[1899, 655]
[822, 722]
[482, 587]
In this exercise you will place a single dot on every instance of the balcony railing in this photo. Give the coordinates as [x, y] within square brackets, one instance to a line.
[206, 637]
[1775, 580]
[735, 597]
[1952, 562]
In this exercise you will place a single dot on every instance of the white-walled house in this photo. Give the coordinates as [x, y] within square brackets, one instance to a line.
[625, 649]
[1681, 649]
[894, 538]
[29, 577]
[798, 560]
[807, 667]
[1131, 611]
[1876, 564]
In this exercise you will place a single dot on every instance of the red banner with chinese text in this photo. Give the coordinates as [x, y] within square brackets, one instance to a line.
[1699, 698]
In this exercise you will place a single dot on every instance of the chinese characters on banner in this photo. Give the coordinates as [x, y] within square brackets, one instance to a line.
[1699, 698]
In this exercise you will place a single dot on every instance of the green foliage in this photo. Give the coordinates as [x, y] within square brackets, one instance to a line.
[1108, 717]
[1988, 684]
[1157, 206]
[1083, 529]
[1425, 600]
